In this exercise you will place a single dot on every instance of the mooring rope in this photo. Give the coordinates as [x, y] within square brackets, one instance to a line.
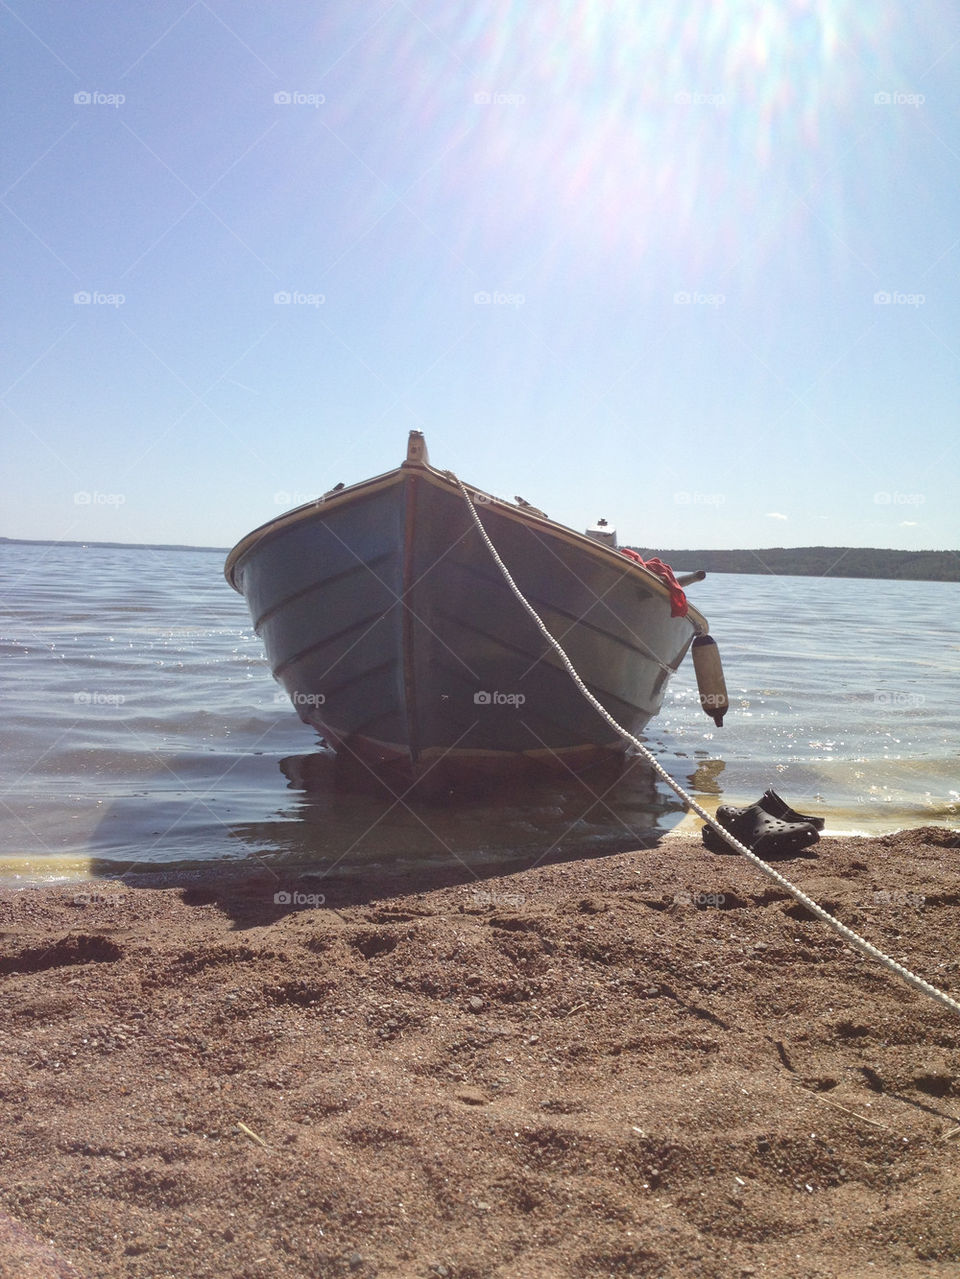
[852, 938]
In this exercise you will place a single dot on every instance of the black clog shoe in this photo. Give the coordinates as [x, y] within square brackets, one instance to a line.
[762, 832]
[772, 803]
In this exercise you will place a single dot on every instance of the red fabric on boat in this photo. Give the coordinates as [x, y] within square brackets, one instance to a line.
[678, 601]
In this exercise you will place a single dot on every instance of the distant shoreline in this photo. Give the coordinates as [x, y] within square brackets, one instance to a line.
[819, 561]
[777, 561]
[112, 546]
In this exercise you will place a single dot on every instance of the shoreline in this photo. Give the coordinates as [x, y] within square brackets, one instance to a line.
[27, 872]
[647, 1063]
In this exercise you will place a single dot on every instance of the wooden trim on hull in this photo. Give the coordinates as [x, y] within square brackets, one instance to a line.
[301, 514]
[450, 764]
[539, 523]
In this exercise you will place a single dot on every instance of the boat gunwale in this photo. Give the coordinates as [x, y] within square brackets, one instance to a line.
[297, 515]
[444, 480]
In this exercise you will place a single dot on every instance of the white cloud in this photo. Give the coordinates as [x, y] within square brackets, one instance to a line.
[775, 515]
[909, 523]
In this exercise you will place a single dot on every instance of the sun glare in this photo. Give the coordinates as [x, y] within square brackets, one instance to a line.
[642, 128]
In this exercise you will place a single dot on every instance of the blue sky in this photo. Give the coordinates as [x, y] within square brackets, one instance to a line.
[689, 266]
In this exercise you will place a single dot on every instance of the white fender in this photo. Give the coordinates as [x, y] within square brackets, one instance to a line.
[710, 681]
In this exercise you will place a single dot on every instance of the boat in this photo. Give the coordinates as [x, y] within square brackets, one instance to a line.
[394, 631]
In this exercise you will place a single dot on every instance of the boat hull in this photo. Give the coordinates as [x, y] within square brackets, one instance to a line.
[391, 627]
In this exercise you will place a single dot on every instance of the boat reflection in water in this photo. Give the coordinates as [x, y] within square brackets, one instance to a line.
[347, 821]
[344, 832]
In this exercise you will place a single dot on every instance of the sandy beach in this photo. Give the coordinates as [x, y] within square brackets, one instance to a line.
[647, 1064]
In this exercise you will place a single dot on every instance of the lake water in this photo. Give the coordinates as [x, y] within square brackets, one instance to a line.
[142, 731]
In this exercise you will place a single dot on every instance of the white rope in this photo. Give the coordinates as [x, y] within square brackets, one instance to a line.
[849, 936]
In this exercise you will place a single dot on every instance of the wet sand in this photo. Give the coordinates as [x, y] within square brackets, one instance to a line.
[651, 1063]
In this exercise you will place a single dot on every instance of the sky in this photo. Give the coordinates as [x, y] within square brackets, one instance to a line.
[691, 267]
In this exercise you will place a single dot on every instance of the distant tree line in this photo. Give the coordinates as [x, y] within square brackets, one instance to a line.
[819, 561]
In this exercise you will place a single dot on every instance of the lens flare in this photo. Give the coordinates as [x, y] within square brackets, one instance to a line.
[665, 129]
